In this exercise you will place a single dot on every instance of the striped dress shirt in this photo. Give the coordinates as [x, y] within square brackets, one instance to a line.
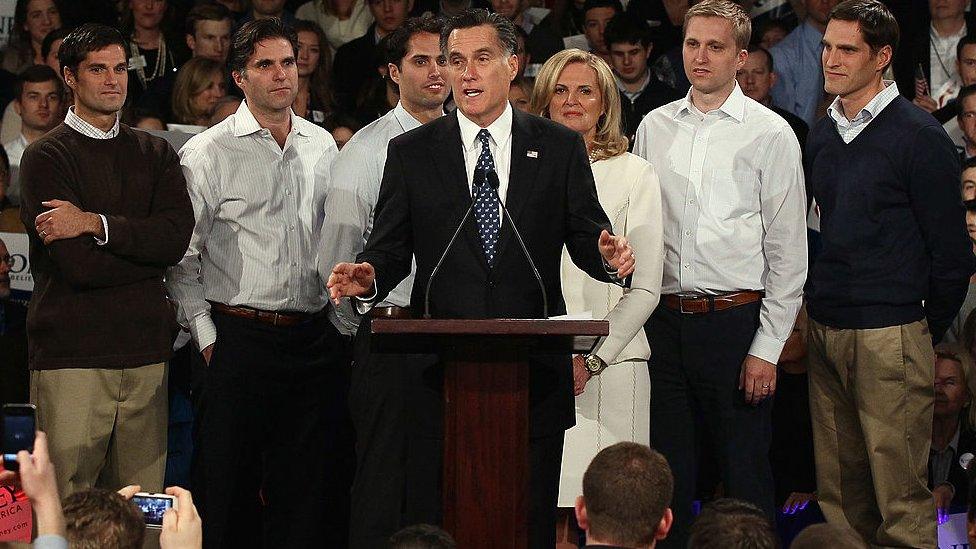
[259, 210]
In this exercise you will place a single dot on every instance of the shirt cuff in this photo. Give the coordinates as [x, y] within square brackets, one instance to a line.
[50, 541]
[105, 229]
[766, 348]
[364, 304]
[203, 330]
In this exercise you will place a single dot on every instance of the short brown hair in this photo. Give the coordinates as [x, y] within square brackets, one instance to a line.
[730, 11]
[98, 518]
[730, 522]
[626, 489]
[823, 535]
[878, 26]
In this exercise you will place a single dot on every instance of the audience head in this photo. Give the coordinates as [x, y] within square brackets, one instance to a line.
[629, 41]
[314, 62]
[947, 9]
[226, 106]
[144, 14]
[33, 20]
[521, 51]
[968, 186]
[6, 262]
[208, 30]
[509, 9]
[389, 14]
[200, 83]
[520, 94]
[966, 59]
[596, 15]
[98, 518]
[728, 522]
[422, 536]
[756, 77]
[39, 94]
[818, 11]
[626, 500]
[51, 46]
[144, 119]
[266, 9]
[263, 63]
[480, 48]
[971, 226]
[819, 536]
[577, 89]
[416, 65]
[953, 368]
[343, 127]
[967, 113]
[93, 62]
[770, 33]
[716, 35]
[859, 43]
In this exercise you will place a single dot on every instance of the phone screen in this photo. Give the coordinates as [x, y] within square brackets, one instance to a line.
[18, 432]
[153, 508]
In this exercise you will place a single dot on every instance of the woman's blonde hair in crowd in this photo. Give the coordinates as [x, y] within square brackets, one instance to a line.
[609, 140]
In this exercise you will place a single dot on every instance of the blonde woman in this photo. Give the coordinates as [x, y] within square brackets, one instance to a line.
[200, 84]
[577, 89]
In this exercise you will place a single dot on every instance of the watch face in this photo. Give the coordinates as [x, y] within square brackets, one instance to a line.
[592, 364]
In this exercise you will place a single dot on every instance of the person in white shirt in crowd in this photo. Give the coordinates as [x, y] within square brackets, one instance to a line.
[342, 20]
[248, 290]
[735, 261]
[935, 54]
[39, 101]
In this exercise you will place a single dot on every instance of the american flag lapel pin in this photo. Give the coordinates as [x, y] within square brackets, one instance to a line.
[532, 154]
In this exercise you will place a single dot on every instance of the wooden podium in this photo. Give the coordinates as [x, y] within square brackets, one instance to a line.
[486, 413]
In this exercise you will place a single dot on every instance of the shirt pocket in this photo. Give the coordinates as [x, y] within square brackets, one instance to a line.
[734, 193]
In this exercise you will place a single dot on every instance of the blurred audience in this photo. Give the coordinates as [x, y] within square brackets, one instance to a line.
[422, 536]
[153, 49]
[33, 20]
[821, 536]
[40, 104]
[520, 94]
[266, 9]
[756, 78]
[341, 20]
[200, 83]
[356, 61]
[968, 185]
[596, 15]
[953, 439]
[799, 87]
[728, 522]
[225, 107]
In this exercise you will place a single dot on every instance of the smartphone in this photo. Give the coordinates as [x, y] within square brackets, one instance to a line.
[153, 506]
[19, 429]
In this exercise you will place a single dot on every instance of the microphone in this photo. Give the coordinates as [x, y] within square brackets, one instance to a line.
[479, 181]
[492, 180]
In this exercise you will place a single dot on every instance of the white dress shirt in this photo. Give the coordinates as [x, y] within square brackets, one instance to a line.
[500, 146]
[350, 203]
[15, 151]
[733, 206]
[942, 63]
[849, 129]
[259, 210]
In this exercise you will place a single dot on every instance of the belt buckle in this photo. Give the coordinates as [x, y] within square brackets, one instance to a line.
[681, 305]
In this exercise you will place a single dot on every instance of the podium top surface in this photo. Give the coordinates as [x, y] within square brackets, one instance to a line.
[514, 327]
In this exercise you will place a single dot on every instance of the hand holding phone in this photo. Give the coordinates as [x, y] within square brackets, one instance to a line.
[19, 430]
[153, 507]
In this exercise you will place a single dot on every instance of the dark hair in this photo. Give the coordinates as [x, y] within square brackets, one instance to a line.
[206, 12]
[970, 205]
[969, 163]
[422, 536]
[626, 489]
[398, 41]
[967, 40]
[320, 83]
[84, 40]
[964, 92]
[20, 38]
[818, 536]
[5, 164]
[593, 4]
[504, 29]
[36, 74]
[878, 27]
[247, 37]
[520, 34]
[51, 38]
[729, 522]
[756, 48]
[100, 518]
[627, 29]
[768, 25]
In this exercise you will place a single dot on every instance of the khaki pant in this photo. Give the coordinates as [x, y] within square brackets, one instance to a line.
[105, 428]
[871, 401]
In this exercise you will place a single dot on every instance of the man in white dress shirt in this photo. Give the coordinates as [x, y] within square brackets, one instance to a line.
[249, 291]
[734, 265]
[381, 383]
[39, 97]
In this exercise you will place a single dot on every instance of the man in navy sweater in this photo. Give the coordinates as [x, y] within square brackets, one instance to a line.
[892, 274]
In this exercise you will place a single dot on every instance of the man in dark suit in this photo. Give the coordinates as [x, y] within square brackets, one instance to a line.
[544, 178]
[953, 442]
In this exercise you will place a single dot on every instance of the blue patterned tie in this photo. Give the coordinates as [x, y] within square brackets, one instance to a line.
[486, 201]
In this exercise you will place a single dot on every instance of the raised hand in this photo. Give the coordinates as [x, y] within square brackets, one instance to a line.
[350, 279]
[616, 251]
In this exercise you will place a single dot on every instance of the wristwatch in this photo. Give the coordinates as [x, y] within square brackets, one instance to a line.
[594, 364]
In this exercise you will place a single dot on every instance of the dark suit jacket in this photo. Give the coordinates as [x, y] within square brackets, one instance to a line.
[957, 475]
[553, 201]
[655, 94]
[355, 62]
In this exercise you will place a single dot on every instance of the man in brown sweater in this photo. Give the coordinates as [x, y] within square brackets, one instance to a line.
[107, 211]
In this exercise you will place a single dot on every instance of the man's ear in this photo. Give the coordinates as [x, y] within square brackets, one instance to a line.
[191, 42]
[581, 518]
[18, 108]
[512, 67]
[394, 72]
[238, 77]
[664, 526]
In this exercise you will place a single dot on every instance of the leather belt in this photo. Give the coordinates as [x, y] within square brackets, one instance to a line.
[264, 317]
[697, 304]
[398, 313]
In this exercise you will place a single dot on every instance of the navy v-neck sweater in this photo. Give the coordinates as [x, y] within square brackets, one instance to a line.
[892, 223]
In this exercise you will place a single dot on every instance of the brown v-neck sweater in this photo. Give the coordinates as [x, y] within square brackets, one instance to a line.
[104, 306]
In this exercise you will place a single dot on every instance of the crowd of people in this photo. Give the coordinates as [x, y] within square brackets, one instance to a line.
[221, 195]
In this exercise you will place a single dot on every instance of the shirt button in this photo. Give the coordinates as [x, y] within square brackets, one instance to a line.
[687, 233]
[294, 263]
[292, 228]
[287, 192]
[687, 266]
